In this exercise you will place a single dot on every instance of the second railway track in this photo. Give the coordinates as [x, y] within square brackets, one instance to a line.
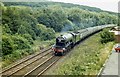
[26, 62]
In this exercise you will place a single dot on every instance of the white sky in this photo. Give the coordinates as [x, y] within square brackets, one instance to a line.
[109, 5]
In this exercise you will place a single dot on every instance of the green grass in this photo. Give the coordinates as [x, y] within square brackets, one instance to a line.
[86, 59]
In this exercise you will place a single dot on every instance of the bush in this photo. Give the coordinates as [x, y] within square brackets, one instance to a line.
[49, 34]
[106, 36]
[10, 43]
[28, 37]
[45, 33]
[20, 42]
[7, 45]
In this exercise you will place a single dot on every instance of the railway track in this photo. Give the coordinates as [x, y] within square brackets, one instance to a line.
[41, 68]
[26, 62]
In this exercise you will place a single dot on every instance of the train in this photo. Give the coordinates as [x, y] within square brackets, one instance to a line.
[67, 41]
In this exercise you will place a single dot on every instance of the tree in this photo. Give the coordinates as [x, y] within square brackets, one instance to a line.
[20, 42]
[7, 45]
[28, 37]
[45, 33]
[6, 29]
[106, 36]
[53, 17]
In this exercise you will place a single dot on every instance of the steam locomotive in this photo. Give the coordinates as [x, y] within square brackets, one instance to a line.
[68, 40]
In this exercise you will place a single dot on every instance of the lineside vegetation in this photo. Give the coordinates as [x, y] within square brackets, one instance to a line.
[106, 36]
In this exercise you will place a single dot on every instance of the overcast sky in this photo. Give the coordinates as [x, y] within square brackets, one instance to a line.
[109, 5]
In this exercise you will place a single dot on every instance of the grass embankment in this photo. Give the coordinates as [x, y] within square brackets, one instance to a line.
[86, 58]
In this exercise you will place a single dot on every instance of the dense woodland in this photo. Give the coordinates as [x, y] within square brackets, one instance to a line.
[23, 23]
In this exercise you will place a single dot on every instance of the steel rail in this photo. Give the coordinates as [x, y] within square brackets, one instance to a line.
[39, 66]
[40, 73]
[29, 64]
[24, 60]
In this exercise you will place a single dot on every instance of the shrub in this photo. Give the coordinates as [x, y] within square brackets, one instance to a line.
[106, 36]
[7, 45]
[45, 33]
[10, 43]
[49, 34]
[20, 42]
[28, 37]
